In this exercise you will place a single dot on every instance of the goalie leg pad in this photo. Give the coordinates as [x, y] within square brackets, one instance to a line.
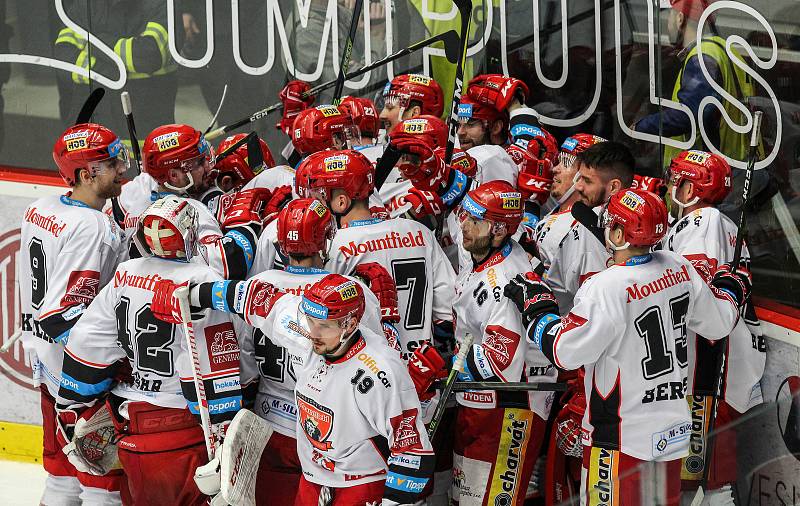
[245, 440]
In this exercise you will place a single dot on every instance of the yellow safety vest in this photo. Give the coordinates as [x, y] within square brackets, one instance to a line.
[735, 82]
[123, 48]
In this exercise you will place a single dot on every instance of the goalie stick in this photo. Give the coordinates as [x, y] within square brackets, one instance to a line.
[344, 64]
[448, 38]
[182, 295]
[711, 437]
[458, 366]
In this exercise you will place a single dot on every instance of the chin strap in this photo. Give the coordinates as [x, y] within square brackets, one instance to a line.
[185, 188]
[681, 206]
[611, 247]
[568, 193]
[343, 340]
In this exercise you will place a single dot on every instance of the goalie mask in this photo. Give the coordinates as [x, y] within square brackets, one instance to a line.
[169, 229]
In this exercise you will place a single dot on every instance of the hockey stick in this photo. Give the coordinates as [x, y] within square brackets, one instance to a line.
[711, 437]
[465, 10]
[11, 340]
[463, 386]
[219, 108]
[449, 38]
[584, 215]
[344, 64]
[127, 110]
[182, 295]
[458, 366]
[86, 112]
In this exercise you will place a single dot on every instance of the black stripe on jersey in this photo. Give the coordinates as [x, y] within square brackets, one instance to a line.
[222, 406]
[236, 257]
[381, 445]
[55, 326]
[707, 366]
[604, 416]
[82, 383]
[548, 338]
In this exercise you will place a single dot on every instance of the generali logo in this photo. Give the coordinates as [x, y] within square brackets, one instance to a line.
[14, 364]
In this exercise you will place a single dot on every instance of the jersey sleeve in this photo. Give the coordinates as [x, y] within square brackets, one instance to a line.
[579, 257]
[583, 334]
[395, 414]
[248, 364]
[714, 312]
[500, 354]
[75, 279]
[92, 355]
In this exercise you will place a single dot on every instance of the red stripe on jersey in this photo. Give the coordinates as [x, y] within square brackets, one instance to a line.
[85, 362]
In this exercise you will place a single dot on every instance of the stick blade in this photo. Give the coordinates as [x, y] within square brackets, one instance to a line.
[90, 105]
[451, 43]
[586, 217]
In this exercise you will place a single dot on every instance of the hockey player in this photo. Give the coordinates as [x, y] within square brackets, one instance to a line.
[69, 250]
[553, 227]
[323, 127]
[362, 440]
[365, 116]
[706, 237]
[305, 228]
[498, 434]
[152, 411]
[408, 96]
[605, 169]
[405, 248]
[628, 328]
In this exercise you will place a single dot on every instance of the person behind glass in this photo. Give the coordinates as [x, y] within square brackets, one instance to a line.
[692, 87]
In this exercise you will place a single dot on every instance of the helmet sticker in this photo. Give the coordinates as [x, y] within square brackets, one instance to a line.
[328, 110]
[77, 140]
[465, 111]
[313, 309]
[511, 200]
[631, 201]
[419, 79]
[167, 141]
[347, 290]
[335, 163]
[415, 126]
[698, 157]
[318, 207]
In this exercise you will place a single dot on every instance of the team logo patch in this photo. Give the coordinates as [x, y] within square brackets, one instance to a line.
[328, 110]
[406, 435]
[316, 421]
[335, 163]
[500, 345]
[82, 288]
[318, 207]
[631, 201]
[76, 140]
[465, 111]
[419, 79]
[698, 157]
[223, 348]
[415, 126]
[511, 200]
[347, 290]
[167, 141]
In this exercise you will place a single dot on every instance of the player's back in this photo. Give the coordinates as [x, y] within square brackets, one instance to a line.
[68, 252]
[413, 257]
[628, 326]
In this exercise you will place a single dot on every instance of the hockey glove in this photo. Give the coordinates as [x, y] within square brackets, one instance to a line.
[277, 201]
[497, 90]
[380, 282]
[425, 366]
[461, 161]
[293, 103]
[165, 304]
[247, 210]
[421, 203]
[379, 212]
[86, 436]
[426, 170]
[737, 282]
[532, 297]
[568, 421]
[535, 176]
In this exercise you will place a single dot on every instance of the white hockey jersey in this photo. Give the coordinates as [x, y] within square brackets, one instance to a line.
[550, 231]
[120, 326]
[275, 177]
[413, 257]
[499, 351]
[706, 237]
[272, 365]
[493, 163]
[579, 255]
[628, 329]
[68, 252]
[360, 414]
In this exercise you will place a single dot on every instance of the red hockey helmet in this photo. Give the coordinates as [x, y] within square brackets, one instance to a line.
[432, 129]
[176, 147]
[495, 201]
[323, 127]
[334, 297]
[407, 88]
[709, 173]
[347, 170]
[83, 144]
[462, 160]
[641, 214]
[469, 109]
[573, 146]
[363, 113]
[169, 228]
[535, 175]
[236, 164]
[304, 227]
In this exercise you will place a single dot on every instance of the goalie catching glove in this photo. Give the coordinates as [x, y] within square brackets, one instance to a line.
[86, 436]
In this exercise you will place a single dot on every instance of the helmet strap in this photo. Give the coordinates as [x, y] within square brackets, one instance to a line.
[610, 245]
[568, 193]
[681, 206]
[345, 341]
[183, 190]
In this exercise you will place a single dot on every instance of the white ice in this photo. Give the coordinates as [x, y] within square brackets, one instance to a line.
[21, 484]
